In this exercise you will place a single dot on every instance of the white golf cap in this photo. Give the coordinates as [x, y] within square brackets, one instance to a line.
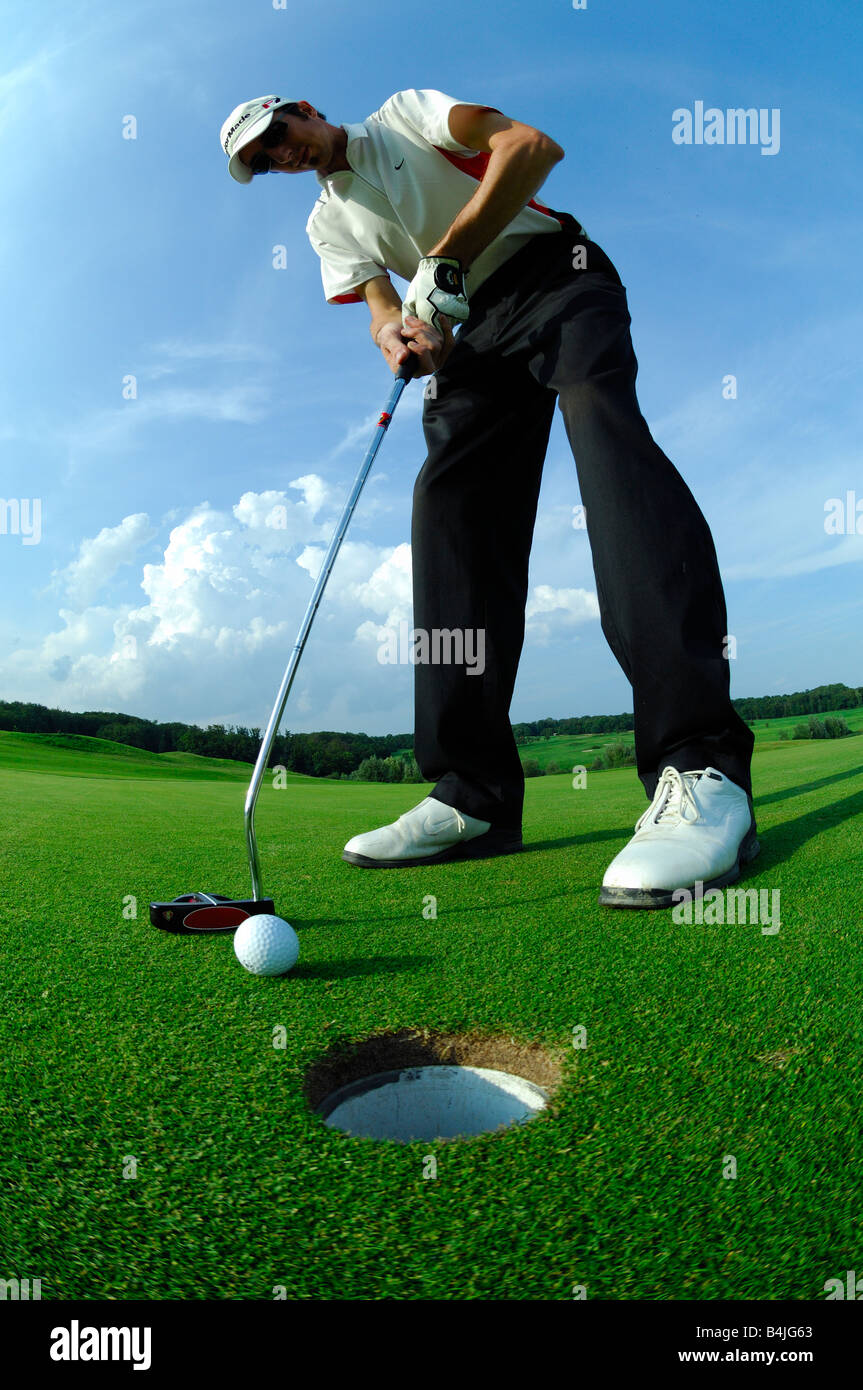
[245, 123]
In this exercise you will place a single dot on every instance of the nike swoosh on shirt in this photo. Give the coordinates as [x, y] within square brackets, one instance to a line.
[398, 166]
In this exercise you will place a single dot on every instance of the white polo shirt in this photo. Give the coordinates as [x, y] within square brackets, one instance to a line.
[407, 182]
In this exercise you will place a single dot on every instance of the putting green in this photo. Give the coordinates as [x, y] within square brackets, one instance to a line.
[709, 1048]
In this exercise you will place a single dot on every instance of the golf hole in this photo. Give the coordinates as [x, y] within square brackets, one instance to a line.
[417, 1085]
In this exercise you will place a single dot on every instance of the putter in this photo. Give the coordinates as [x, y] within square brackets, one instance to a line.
[200, 912]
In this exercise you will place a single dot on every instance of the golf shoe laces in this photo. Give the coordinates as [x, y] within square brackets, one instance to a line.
[671, 798]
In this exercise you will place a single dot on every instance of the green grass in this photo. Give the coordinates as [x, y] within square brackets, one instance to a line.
[767, 730]
[118, 1040]
[570, 750]
[61, 755]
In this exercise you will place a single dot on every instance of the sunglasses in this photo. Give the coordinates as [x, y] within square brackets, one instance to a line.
[272, 136]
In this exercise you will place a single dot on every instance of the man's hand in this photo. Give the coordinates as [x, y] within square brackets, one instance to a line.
[436, 290]
[399, 341]
[400, 335]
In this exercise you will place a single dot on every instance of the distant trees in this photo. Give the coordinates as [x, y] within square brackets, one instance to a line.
[831, 727]
[836, 728]
[28, 719]
[617, 754]
[391, 769]
[816, 701]
[321, 754]
[583, 724]
[324, 754]
[389, 757]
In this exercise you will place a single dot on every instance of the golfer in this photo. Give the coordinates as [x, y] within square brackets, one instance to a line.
[443, 193]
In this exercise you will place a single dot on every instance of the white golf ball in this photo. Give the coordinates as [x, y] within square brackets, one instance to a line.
[266, 945]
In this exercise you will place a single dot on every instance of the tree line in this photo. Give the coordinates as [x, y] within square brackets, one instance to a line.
[831, 727]
[817, 701]
[325, 754]
[749, 707]
[338, 754]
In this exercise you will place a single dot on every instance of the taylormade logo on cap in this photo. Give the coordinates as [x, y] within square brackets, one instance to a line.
[245, 123]
[234, 127]
[246, 112]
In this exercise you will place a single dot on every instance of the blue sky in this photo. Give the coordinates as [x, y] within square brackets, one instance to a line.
[157, 586]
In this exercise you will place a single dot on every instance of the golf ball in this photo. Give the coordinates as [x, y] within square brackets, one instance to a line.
[266, 945]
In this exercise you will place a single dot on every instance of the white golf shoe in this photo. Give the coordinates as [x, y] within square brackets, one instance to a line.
[431, 833]
[699, 828]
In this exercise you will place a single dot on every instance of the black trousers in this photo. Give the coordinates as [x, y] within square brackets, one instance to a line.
[542, 332]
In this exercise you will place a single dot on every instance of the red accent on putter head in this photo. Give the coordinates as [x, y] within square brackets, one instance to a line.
[208, 911]
[209, 918]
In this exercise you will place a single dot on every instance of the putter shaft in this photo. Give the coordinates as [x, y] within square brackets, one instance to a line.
[403, 377]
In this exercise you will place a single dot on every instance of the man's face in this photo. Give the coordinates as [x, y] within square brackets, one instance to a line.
[304, 144]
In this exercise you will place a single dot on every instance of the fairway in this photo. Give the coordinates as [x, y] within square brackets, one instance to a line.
[570, 750]
[157, 1145]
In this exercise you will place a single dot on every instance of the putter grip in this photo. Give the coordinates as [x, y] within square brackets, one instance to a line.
[406, 370]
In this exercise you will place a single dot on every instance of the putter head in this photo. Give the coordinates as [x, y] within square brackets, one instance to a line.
[192, 913]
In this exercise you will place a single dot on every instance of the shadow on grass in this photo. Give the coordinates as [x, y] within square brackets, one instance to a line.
[590, 837]
[779, 842]
[495, 907]
[789, 837]
[358, 965]
[787, 792]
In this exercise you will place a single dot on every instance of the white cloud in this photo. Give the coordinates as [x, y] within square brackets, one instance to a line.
[229, 585]
[100, 558]
[242, 403]
[79, 659]
[389, 588]
[554, 612]
[277, 521]
[224, 578]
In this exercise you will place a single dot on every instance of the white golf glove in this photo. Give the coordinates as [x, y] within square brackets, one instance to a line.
[437, 288]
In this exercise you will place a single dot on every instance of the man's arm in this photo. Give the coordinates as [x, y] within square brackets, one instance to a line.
[521, 158]
[387, 332]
